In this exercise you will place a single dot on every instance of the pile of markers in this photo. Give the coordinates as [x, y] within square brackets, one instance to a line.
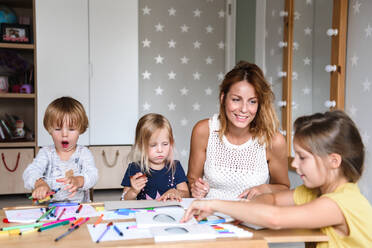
[50, 212]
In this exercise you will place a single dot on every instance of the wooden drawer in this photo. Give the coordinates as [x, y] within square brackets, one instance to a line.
[11, 182]
[111, 162]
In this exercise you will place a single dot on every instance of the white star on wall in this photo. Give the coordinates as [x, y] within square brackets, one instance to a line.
[159, 91]
[307, 61]
[306, 90]
[353, 110]
[366, 85]
[209, 29]
[184, 60]
[208, 91]
[146, 10]
[221, 14]
[273, 12]
[159, 59]
[146, 75]
[184, 153]
[296, 45]
[197, 44]
[197, 13]
[171, 75]
[308, 31]
[184, 28]
[172, 12]
[196, 106]
[171, 106]
[365, 138]
[159, 27]
[146, 106]
[356, 7]
[196, 75]
[184, 122]
[294, 75]
[368, 31]
[295, 105]
[146, 43]
[221, 45]
[220, 76]
[297, 15]
[354, 60]
[184, 91]
[309, 2]
[172, 44]
[209, 60]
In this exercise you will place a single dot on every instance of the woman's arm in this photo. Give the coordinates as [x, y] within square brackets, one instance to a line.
[198, 148]
[278, 164]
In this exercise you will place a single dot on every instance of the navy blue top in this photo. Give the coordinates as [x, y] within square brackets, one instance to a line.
[159, 182]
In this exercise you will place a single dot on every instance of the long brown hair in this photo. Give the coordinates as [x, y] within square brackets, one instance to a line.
[265, 124]
[332, 132]
[146, 126]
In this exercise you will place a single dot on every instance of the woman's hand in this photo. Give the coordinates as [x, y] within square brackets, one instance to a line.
[202, 208]
[138, 182]
[253, 192]
[199, 188]
[41, 190]
[172, 195]
[72, 183]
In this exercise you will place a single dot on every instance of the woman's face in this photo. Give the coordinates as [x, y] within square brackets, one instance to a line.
[241, 104]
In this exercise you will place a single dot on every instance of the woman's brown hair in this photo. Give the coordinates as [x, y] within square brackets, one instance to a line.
[332, 132]
[265, 125]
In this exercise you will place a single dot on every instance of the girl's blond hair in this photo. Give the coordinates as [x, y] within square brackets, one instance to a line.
[147, 126]
[265, 125]
[65, 109]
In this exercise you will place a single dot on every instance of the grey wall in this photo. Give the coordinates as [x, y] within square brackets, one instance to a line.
[358, 79]
[181, 62]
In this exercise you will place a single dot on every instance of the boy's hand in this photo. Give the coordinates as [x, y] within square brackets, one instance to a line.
[72, 183]
[138, 182]
[172, 195]
[41, 189]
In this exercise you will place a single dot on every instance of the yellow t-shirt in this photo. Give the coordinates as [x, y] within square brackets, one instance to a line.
[356, 210]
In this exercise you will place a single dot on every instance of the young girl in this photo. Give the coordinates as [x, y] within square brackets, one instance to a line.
[153, 174]
[64, 165]
[329, 157]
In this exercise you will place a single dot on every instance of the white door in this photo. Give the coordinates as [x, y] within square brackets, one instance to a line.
[113, 32]
[62, 56]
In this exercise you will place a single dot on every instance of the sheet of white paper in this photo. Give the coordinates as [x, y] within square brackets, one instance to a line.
[166, 216]
[182, 232]
[111, 235]
[32, 214]
[228, 230]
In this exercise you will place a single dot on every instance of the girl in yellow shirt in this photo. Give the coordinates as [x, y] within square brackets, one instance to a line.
[329, 157]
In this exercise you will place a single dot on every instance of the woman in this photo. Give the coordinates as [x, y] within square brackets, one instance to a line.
[239, 152]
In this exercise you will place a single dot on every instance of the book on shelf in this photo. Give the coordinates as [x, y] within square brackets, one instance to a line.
[2, 135]
[7, 131]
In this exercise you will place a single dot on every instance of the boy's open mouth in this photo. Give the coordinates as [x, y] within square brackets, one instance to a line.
[64, 144]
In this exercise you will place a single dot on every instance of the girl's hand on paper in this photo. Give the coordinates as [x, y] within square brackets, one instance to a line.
[72, 183]
[253, 192]
[41, 189]
[202, 208]
[172, 195]
[138, 182]
[200, 188]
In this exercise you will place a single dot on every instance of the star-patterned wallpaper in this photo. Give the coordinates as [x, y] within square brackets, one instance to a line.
[181, 63]
[358, 79]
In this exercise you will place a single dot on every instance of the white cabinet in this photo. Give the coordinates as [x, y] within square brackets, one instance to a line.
[88, 49]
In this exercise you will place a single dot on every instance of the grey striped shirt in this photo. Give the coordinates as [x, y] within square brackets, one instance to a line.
[48, 166]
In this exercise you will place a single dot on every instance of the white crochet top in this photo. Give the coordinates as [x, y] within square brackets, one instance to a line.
[230, 169]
